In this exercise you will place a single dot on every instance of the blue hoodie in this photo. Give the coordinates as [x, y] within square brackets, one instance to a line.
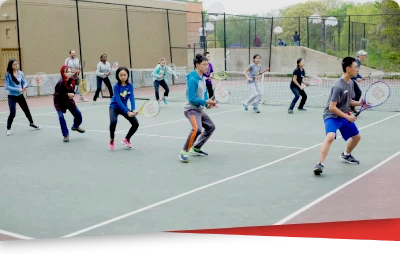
[11, 87]
[196, 91]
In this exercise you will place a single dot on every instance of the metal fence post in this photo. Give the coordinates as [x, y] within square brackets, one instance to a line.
[169, 42]
[129, 42]
[79, 34]
[18, 35]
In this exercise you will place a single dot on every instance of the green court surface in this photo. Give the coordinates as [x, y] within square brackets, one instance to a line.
[259, 171]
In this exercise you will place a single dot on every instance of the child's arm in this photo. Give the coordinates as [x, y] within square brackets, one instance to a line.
[132, 98]
[192, 94]
[98, 70]
[246, 73]
[8, 83]
[156, 71]
[170, 71]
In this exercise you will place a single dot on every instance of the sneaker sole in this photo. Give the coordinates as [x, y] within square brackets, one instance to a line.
[126, 145]
[318, 171]
[354, 163]
[185, 161]
[196, 154]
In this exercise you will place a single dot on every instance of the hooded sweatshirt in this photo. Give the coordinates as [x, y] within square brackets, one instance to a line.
[63, 87]
[196, 91]
[12, 87]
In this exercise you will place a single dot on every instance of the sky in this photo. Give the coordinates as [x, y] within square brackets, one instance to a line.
[246, 7]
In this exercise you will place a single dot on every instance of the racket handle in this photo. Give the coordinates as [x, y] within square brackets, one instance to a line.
[357, 113]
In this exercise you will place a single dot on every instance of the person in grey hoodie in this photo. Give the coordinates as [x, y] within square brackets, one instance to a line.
[196, 99]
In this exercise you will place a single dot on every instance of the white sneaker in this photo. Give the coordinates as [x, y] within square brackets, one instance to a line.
[8, 132]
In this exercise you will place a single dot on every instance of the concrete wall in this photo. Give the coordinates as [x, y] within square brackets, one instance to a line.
[48, 30]
[193, 28]
[283, 60]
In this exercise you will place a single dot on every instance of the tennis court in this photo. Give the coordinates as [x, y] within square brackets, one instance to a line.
[259, 172]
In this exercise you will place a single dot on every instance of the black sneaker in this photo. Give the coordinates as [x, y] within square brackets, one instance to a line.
[79, 129]
[318, 169]
[37, 127]
[349, 159]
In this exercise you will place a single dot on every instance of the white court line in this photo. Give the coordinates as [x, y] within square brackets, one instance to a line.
[49, 113]
[180, 120]
[3, 232]
[313, 203]
[207, 186]
[141, 127]
[172, 137]
[223, 141]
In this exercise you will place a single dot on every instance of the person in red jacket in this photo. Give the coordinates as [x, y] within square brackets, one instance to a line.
[64, 99]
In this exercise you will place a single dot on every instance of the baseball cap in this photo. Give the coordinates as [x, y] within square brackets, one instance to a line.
[362, 53]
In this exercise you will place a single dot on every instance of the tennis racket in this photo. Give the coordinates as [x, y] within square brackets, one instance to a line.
[221, 93]
[84, 86]
[222, 75]
[315, 80]
[114, 66]
[37, 80]
[150, 108]
[376, 75]
[172, 66]
[376, 94]
[264, 71]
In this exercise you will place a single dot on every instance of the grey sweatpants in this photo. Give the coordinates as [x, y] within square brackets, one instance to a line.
[256, 94]
[198, 119]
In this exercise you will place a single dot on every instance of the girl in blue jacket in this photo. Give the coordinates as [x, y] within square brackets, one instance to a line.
[15, 84]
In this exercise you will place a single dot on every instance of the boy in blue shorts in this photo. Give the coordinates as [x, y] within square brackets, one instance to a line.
[336, 117]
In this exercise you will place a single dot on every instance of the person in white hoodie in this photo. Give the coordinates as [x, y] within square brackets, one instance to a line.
[103, 70]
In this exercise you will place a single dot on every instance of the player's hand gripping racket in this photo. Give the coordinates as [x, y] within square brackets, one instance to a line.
[150, 108]
[376, 94]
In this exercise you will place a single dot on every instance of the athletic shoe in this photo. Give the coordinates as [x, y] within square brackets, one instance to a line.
[318, 169]
[349, 159]
[183, 156]
[197, 151]
[126, 143]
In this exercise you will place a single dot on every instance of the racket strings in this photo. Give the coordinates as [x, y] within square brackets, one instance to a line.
[377, 94]
[150, 108]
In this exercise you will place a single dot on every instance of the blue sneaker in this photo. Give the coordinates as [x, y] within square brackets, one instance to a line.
[255, 109]
[245, 107]
[183, 156]
[165, 101]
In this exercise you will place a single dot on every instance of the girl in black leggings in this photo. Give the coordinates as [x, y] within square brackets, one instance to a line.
[123, 91]
[15, 84]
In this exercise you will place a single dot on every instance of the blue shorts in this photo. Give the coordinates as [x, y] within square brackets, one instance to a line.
[347, 129]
